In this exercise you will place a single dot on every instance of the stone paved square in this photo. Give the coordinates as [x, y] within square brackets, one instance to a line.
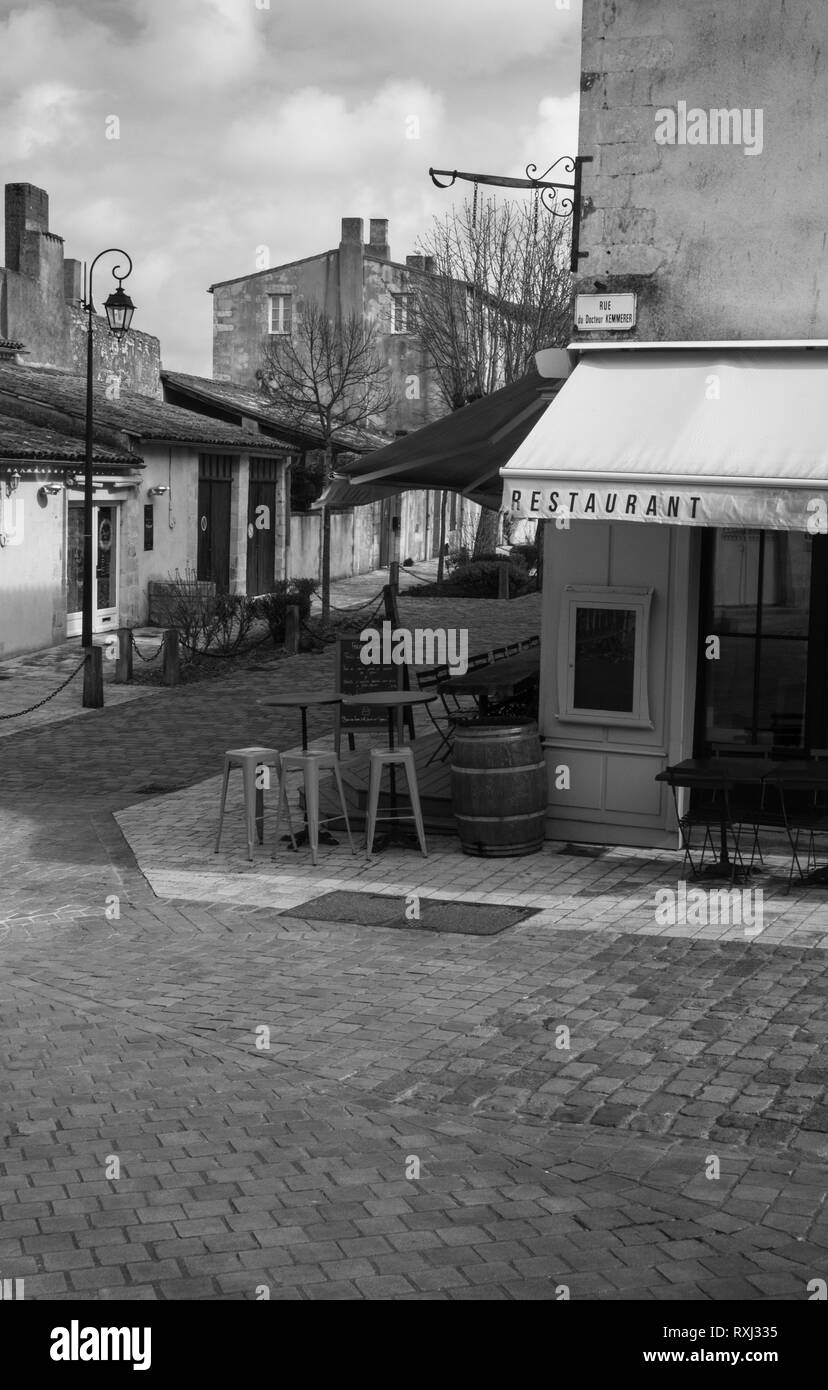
[337, 1111]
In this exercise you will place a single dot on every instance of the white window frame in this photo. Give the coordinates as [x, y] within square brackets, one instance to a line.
[276, 324]
[401, 299]
[577, 596]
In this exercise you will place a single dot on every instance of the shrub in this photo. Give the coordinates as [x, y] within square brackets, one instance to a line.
[229, 623]
[205, 620]
[529, 553]
[273, 607]
[481, 579]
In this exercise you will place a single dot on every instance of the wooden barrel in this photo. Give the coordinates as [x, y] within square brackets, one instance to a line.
[498, 787]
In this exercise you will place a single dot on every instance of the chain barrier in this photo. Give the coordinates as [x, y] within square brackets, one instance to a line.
[158, 649]
[46, 698]
[355, 608]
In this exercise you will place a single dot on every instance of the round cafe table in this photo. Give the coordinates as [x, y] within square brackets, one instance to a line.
[395, 702]
[304, 700]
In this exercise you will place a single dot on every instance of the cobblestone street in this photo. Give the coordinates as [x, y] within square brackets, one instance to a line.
[587, 1104]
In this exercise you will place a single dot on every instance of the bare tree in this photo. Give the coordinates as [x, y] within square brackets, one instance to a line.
[497, 288]
[328, 376]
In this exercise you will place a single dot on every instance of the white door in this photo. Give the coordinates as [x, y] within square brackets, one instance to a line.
[104, 568]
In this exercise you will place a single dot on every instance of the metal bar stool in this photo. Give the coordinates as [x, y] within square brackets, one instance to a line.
[393, 758]
[249, 760]
[310, 763]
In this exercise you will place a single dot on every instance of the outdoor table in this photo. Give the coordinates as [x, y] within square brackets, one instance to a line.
[498, 677]
[395, 702]
[719, 774]
[303, 700]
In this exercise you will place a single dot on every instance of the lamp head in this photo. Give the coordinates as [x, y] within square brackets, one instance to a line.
[119, 310]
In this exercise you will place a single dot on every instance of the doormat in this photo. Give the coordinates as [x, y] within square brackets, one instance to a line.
[585, 851]
[440, 915]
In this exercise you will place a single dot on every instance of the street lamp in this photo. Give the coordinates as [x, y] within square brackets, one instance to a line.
[119, 310]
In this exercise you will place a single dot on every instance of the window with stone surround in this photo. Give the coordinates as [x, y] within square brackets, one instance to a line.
[401, 313]
[281, 314]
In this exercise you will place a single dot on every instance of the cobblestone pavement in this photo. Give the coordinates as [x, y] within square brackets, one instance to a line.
[417, 1126]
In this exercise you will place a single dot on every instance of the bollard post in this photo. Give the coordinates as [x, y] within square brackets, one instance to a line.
[394, 575]
[292, 621]
[170, 657]
[123, 660]
[503, 579]
[93, 696]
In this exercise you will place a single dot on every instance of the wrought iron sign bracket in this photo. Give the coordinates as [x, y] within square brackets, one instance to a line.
[572, 164]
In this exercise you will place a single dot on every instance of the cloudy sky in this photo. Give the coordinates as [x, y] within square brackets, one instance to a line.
[245, 124]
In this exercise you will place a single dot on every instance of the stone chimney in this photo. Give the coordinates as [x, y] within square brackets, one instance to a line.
[378, 237]
[350, 267]
[351, 230]
[415, 262]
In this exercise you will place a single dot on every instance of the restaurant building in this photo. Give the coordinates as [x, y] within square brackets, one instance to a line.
[681, 471]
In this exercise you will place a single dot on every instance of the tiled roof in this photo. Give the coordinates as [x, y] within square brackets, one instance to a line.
[21, 440]
[259, 407]
[143, 417]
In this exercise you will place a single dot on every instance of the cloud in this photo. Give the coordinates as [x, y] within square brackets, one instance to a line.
[554, 133]
[242, 126]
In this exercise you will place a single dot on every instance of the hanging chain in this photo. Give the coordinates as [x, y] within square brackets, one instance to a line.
[46, 698]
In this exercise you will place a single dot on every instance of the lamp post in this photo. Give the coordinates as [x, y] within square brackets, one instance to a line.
[119, 310]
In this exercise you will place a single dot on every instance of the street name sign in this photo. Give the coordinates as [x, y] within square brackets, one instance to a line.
[604, 312]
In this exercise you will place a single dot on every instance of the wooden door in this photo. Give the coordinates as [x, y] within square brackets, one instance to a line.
[214, 532]
[261, 537]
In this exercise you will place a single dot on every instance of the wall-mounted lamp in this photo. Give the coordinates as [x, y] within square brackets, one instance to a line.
[12, 483]
[157, 491]
[48, 490]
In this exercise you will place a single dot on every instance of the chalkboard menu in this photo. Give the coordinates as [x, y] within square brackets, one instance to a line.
[355, 678]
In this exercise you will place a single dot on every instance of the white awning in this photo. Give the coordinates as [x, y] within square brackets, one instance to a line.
[713, 436]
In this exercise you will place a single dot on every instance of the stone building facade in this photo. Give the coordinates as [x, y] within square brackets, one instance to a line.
[356, 277]
[706, 194]
[682, 469]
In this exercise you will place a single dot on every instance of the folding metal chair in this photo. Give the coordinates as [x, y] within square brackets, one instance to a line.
[745, 812]
[707, 816]
[429, 680]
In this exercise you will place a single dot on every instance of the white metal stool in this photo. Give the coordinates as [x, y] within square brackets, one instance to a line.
[249, 760]
[393, 758]
[310, 764]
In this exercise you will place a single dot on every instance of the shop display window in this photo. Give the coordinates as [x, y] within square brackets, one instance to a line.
[603, 656]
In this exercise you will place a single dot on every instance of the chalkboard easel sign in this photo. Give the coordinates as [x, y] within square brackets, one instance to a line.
[355, 678]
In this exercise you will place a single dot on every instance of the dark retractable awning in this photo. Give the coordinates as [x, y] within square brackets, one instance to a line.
[464, 451]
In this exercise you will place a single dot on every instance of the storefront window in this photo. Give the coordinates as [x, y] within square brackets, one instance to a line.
[759, 610]
[602, 665]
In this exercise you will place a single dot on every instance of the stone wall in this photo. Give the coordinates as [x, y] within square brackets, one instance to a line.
[40, 303]
[719, 240]
[135, 361]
